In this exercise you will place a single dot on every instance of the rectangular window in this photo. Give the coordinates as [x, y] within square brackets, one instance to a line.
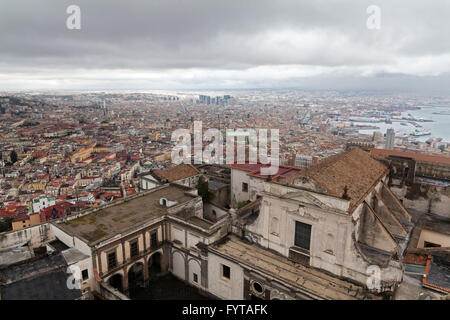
[195, 278]
[112, 261]
[302, 235]
[134, 249]
[226, 271]
[85, 274]
[244, 187]
[153, 240]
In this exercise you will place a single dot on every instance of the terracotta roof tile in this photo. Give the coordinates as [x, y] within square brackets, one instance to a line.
[354, 169]
[181, 171]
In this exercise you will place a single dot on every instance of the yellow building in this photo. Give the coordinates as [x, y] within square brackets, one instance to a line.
[431, 231]
[38, 186]
[86, 152]
[429, 238]
[163, 156]
[25, 221]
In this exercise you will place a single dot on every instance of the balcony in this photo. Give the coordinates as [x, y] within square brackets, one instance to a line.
[299, 255]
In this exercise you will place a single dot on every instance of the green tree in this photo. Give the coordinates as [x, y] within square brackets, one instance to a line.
[243, 203]
[6, 224]
[13, 156]
[203, 190]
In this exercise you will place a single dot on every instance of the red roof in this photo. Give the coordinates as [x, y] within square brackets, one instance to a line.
[21, 216]
[106, 195]
[130, 191]
[12, 210]
[255, 170]
[56, 211]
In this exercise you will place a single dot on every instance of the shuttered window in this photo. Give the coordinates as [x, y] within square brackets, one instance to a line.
[112, 262]
[134, 250]
[302, 235]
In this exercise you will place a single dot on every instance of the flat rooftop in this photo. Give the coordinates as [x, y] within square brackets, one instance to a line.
[14, 255]
[117, 218]
[310, 280]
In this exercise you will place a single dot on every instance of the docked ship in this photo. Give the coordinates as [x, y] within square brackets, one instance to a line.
[419, 133]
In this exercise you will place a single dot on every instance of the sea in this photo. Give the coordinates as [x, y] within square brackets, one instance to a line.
[439, 128]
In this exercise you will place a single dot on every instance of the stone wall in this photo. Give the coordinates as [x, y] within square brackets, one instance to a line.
[35, 236]
[109, 293]
[424, 197]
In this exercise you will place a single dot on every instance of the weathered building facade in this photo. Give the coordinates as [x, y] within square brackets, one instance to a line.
[332, 231]
[420, 181]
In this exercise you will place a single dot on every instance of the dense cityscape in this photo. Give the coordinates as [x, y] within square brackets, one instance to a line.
[64, 154]
[280, 152]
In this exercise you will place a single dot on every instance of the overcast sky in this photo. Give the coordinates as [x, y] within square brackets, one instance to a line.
[225, 44]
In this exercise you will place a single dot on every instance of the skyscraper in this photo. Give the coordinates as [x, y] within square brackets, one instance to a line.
[390, 135]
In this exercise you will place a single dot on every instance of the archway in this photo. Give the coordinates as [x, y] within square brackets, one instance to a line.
[116, 281]
[154, 264]
[178, 265]
[135, 276]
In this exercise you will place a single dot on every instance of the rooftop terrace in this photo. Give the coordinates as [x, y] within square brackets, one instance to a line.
[124, 215]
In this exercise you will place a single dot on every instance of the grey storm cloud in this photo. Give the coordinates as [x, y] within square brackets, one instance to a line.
[220, 42]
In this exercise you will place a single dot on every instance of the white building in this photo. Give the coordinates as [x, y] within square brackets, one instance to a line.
[247, 182]
[42, 201]
[338, 217]
[184, 174]
[390, 139]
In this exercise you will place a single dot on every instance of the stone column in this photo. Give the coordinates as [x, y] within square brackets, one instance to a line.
[204, 273]
[145, 271]
[166, 255]
[125, 281]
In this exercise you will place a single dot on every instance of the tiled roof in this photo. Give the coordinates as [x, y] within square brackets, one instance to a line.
[415, 258]
[255, 170]
[354, 169]
[21, 216]
[181, 171]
